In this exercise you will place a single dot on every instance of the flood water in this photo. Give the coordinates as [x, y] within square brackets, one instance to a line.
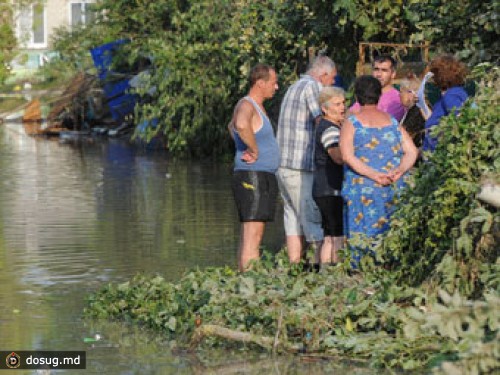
[77, 215]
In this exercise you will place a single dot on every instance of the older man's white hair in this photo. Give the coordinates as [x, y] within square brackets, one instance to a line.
[321, 65]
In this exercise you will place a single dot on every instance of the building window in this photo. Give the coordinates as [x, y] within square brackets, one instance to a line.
[81, 13]
[38, 24]
[31, 26]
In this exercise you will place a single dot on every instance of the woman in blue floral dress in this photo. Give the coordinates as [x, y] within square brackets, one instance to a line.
[377, 153]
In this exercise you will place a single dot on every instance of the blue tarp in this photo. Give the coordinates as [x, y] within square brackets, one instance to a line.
[120, 102]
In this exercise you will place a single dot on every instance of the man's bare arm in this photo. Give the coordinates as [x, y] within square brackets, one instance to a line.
[243, 124]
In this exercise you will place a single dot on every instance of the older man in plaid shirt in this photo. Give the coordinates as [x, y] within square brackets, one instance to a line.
[299, 113]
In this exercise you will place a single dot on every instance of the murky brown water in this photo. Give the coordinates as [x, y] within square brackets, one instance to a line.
[74, 216]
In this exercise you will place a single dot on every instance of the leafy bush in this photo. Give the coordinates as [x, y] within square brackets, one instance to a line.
[8, 40]
[441, 232]
[470, 29]
[369, 318]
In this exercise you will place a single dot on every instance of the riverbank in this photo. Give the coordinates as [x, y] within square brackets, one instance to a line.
[14, 103]
[367, 317]
[46, 84]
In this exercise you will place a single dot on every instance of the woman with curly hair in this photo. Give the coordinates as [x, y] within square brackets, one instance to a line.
[449, 76]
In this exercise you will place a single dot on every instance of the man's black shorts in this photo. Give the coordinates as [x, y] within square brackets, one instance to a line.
[255, 195]
[331, 208]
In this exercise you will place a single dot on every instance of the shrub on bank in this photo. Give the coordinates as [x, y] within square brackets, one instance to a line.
[368, 317]
[441, 233]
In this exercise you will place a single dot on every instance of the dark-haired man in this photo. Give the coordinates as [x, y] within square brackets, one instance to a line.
[384, 69]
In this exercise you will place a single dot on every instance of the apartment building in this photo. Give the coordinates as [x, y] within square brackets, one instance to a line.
[36, 23]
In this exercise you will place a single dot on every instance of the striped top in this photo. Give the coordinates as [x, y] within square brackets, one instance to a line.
[328, 175]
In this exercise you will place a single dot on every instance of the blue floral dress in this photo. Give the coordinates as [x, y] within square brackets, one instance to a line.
[370, 205]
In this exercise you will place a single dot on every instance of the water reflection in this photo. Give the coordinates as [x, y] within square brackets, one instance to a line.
[127, 342]
[76, 215]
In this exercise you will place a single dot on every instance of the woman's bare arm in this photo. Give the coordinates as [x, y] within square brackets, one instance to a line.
[410, 154]
[336, 155]
[347, 151]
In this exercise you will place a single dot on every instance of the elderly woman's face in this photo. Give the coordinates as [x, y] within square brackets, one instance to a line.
[335, 108]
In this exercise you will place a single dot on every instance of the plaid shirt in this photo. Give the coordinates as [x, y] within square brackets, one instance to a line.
[296, 124]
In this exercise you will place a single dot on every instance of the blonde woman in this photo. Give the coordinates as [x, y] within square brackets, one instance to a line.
[413, 120]
[329, 174]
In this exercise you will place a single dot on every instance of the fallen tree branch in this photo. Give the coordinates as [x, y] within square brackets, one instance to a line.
[265, 342]
[278, 329]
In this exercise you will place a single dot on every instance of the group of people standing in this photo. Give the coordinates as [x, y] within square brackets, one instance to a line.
[338, 170]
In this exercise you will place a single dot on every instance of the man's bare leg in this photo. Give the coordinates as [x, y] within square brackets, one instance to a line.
[294, 245]
[250, 239]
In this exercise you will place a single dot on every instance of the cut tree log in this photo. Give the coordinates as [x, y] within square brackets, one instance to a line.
[265, 342]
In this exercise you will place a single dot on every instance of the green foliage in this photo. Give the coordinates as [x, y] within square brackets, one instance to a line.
[255, 301]
[8, 40]
[381, 20]
[194, 88]
[54, 75]
[467, 27]
[138, 19]
[368, 318]
[73, 45]
[203, 50]
[441, 233]
[207, 54]
[471, 330]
